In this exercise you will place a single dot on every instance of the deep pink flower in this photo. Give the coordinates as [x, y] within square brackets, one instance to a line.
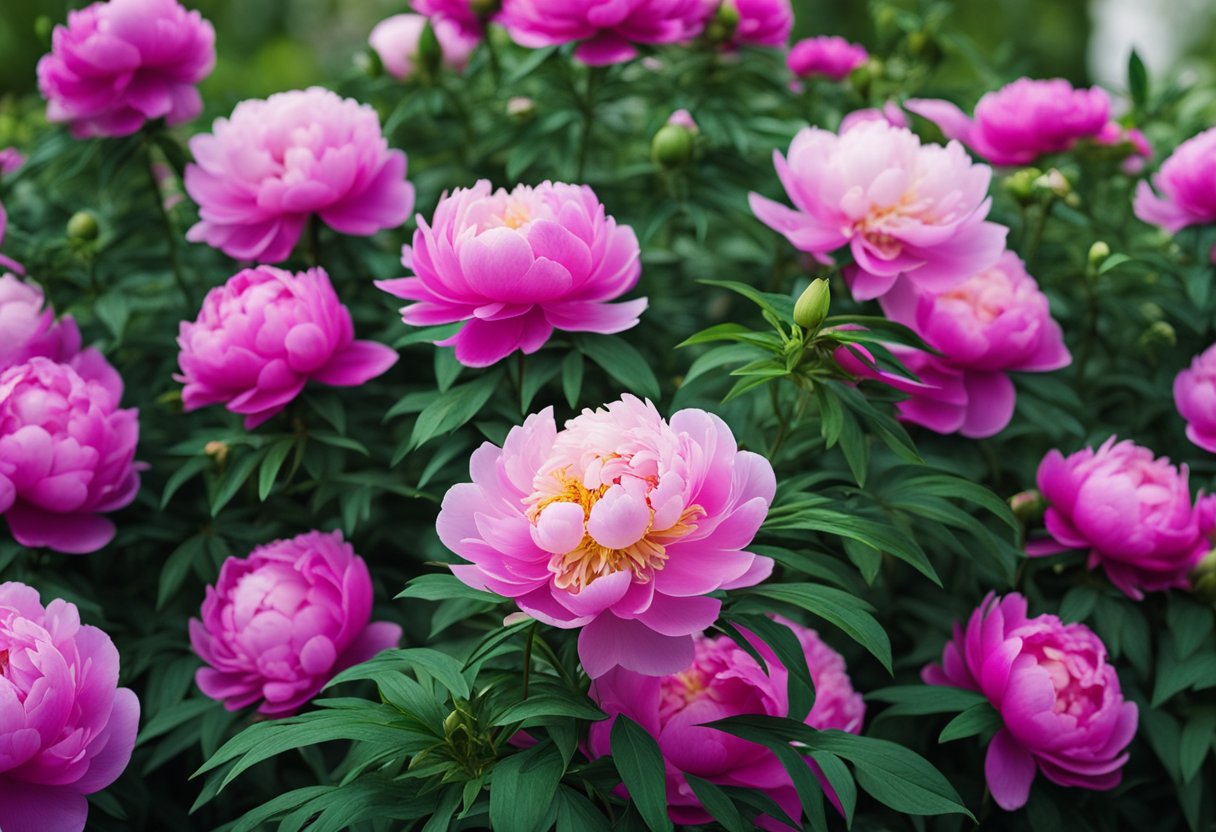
[1060, 701]
[1139, 151]
[902, 208]
[607, 31]
[66, 728]
[1022, 121]
[1185, 195]
[264, 334]
[11, 160]
[1195, 398]
[66, 452]
[517, 265]
[620, 524]
[396, 38]
[28, 328]
[263, 172]
[460, 12]
[831, 56]
[762, 22]
[119, 64]
[282, 622]
[7, 262]
[724, 681]
[890, 113]
[1132, 512]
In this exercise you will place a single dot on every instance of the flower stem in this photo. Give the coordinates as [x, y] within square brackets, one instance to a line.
[314, 241]
[587, 105]
[170, 231]
[783, 425]
[528, 658]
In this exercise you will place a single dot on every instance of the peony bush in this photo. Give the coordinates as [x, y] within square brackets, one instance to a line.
[579, 415]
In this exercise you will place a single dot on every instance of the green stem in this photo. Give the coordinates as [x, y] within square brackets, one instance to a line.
[528, 658]
[587, 105]
[170, 232]
[522, 364]
[314, 241]
[783, 426]
[1035, 234]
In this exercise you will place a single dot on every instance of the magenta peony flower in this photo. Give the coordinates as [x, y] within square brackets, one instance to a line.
[606, 31]
[517, 265]
[66, 452]
[282, 622]
[1022, 121]
[264, 334]
[830, 56]
[1185, 187]
[902, 208]
[1194, 396]
[119, 64]
[762, 22]
[27, 329]
[621, 524]
[66, 728]
[396, 38]
[1133, 513]
[460, 12]
[7, 262]
[1059, 699]
[263, 172]
[724, 681]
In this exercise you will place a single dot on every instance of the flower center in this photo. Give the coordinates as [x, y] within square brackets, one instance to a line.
[517, 214]
[1073, 697]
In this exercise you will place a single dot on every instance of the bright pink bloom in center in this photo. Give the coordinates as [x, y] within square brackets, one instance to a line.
[607, 30]
[830, 56]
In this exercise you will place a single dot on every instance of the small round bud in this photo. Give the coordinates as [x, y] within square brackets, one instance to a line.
[812, 305]
[368, 62]
[1203, 578]
[1021, 184]
[1055, 182]
[521, 108]
[1028, 506]
[43, 26]
[82, 227]
[1159, 333]
[721, 27]
[1098, 252]
[218, 451]
[672, 146]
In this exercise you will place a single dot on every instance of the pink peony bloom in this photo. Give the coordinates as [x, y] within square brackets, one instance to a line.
[1060, 701]
[1194, 396]
[517, 265]
[620, 524]
[1133, 141]
[66, 452]
[459, 12]
[11, 160]
[1022, 121]
[7, 262]
[263, 172]
[282, 622]
[683, 118]
[902, 208]
[119, 64]
[28, 329]
[724, 681]
[396, 38]
[1185, 187]
[890, 113]
[66, 728]
[607, 32]
[762, 22]
[830, 56]
[264, 334]
[1131, 511]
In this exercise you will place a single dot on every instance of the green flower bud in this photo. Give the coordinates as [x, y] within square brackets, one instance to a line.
[1028, 506]
[812, 305]
[82, 227]
[1159, 333]
[672, 146]
[1098, 252]
[1021, 184]
[721, 28]
[1203, 578]
[521, 108]
[43, 26]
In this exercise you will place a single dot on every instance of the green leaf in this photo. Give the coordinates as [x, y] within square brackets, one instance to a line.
[622, 361]
[980, 718]
[177, 566]
[1189, 623]
[551, 704]
[921, 700]
[522, 788]
[640, 764]
[576, 813]
[778, 636]
[271, 465]
[781, 306]
[232, 479]
[718, 804]
[572, 377]
[1197, 739]
[440, 666]
[190, 469]
[1137, 79]
[454, 408]
[440, 587]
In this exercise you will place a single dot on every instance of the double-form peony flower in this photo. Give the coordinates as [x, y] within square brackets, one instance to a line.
[263, 335]
[1195, 398]
[606, 33]
[66, 452]
[761, 22]
[517, 265]
[119, 64]
[724, 681]
[1132, 512]
[396, 41]
[1023, 120]
[1061, 706]
[264, 172]
[828, 55]
[28, 327]
[282, 622]
[620, 524]
[903, 209]
[1185, 195]
[460, 12]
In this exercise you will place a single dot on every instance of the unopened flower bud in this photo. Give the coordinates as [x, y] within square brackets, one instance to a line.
[521, 108]
[1203, 578]
[812, 305]
[43, 26]
[1159, 333]
[1028, 506]
[1021, 184]
[218, 451]
[368, 62]
[1055, 182]
[672, 146]
[721, 27]
[1098, 252]
[82, 227]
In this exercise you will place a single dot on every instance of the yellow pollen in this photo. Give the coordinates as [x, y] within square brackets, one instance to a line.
[516, 215]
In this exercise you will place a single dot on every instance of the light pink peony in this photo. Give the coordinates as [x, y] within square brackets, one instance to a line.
[1060, 701]
[1195, 398]
[265, 171]
[282, 622]
[66, 728]
[396, 38]
[606, 31]
[66, 452]
[830, 56]
[517, 265]
[724, 681]
[460, 12]
[1022, 121]
[119, 64]
[890, 113]
[28, 329]
[762, 22]
[1185, 194]
[264, 334]
[620, 524]
[1132, 512]
[683, 118]
[902, 208]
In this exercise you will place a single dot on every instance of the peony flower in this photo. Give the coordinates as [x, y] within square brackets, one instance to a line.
[607, 33]
[724, 681]
[265, 171]
[620, 524]
[66, 452]
[264, 334]
[902, 208]
[762, 22]
[517, 265]
[459, 12]
[119, 64]
[1022, 121]
[66, 728]
[1062, 710]
[27, 329]
[396, 40]
[1132, 512]
[1195, 398]
[11, 160]
[1185, 195]
[282, 622]
[830, 56]
[1132, 141]
[890, 113]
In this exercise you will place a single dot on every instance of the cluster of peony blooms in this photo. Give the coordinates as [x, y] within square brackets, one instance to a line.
[1185, 196]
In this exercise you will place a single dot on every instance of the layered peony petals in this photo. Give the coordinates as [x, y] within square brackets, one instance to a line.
[830, 56]
[607, 33]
